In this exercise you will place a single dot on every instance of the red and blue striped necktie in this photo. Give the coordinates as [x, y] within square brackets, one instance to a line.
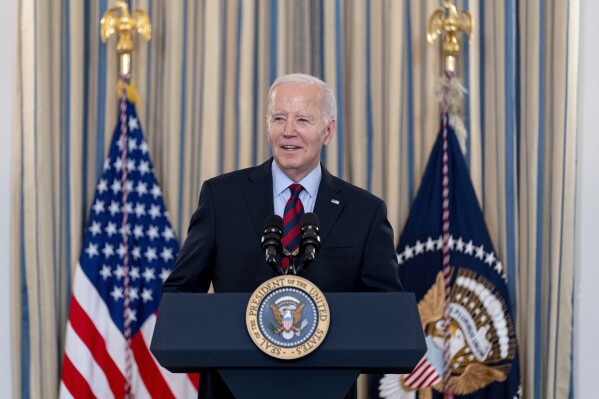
[294, 209]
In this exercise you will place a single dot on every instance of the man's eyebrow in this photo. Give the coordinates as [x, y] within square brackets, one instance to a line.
[308, 116]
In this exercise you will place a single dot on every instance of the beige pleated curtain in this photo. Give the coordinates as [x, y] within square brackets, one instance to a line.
[202, 81]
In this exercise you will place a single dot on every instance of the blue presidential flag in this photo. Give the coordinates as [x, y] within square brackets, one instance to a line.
[482, 349]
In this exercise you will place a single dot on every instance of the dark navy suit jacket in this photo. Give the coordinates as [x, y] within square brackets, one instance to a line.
[223, 241]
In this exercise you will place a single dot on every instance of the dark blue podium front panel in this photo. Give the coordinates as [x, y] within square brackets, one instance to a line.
[369, 332]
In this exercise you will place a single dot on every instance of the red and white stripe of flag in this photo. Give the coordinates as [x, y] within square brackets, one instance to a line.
[94, 362]
[424, 375]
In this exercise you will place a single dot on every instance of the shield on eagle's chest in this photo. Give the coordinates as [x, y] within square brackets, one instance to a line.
[287, 321]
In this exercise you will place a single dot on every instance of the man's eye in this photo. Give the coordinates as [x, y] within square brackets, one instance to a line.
[278, 119]
[303, 120]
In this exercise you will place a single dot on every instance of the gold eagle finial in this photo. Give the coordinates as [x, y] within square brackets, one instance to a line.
[118, 18]
[446, 20]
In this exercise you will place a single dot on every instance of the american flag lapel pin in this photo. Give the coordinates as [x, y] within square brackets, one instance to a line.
[334, 201]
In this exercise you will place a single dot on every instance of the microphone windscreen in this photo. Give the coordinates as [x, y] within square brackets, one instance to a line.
[273, 221]
[309, 219]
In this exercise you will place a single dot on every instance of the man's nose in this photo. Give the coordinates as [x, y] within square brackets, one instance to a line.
[290, 128]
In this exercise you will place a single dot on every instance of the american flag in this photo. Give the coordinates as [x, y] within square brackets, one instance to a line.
[128, 251]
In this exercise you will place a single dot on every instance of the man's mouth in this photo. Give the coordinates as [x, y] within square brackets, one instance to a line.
[290, 147]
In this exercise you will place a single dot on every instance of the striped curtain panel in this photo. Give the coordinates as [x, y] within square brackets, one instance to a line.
[202, 82]
[544, 269]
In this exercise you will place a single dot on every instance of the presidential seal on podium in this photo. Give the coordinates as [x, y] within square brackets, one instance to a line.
[287, 317]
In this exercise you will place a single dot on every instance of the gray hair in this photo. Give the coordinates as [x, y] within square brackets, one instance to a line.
[329, 102]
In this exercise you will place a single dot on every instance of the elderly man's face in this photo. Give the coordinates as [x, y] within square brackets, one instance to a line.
[297, 129]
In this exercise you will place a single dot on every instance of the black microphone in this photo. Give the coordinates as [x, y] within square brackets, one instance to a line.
[310, 240]
[271, 239]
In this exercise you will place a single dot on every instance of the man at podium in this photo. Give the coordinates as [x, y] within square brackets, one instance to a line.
[223, 245]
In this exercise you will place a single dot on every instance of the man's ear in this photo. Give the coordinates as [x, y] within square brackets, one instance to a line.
[267, 133]
[330, 131]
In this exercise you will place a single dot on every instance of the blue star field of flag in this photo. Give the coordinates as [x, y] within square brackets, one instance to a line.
[151, 242]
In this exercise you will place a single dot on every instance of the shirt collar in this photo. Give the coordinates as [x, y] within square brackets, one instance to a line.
[280, 181]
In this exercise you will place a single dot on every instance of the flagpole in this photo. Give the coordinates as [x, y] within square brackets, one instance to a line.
[117, 19]
[447, 22]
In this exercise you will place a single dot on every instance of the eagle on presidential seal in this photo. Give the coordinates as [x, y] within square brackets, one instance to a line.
[287, 312]
[482, 340]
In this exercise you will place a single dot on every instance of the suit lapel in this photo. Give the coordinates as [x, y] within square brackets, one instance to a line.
[258, 195]
[329, 203]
